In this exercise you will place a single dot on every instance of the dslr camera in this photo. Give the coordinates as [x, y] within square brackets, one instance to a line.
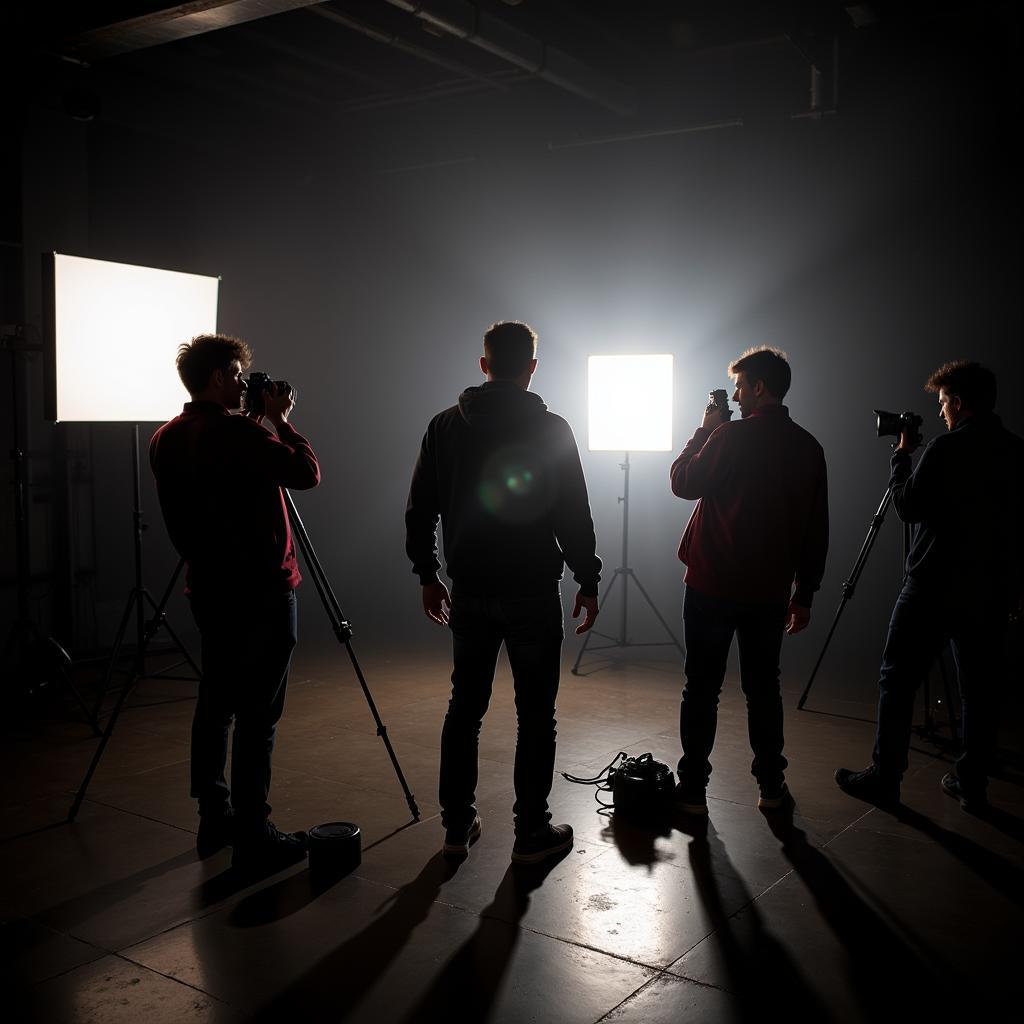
[719, 400]
[256, 386]
[892, 424]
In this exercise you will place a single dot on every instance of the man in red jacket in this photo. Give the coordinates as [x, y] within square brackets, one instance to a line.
[755, 550]
[219, 479]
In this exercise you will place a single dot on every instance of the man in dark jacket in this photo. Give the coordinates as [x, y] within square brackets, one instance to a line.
[219, 479]
[754, 551]
[503, 474]
[963, 580]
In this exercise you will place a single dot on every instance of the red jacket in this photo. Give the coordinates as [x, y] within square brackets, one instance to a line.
[761, 521]
[219, 479]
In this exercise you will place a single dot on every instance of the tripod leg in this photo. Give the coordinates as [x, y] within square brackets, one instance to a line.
[160, 620]
[382, 732]
[115, 653]
[654, 609]
[586, 639]
[824, 647]
[104, 739]
[343, 632]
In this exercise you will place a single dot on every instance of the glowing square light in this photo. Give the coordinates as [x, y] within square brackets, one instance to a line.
[629, 402]
[114, 331]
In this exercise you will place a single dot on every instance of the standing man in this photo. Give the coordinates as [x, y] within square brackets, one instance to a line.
[963, 578]
[503, 474]
[219, 478]
[754, 551]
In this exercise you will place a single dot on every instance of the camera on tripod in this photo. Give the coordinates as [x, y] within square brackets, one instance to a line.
[256, 387]
[892, 424]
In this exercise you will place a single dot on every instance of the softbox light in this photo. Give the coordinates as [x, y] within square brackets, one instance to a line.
[112, 334]
[629, 403]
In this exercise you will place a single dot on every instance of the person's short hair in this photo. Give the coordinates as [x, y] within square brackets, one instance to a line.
[509, 347]
[971, 382]
[198, 358]
[766, 364]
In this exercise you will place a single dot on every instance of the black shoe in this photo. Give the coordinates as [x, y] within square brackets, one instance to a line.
[691, 800]
[533, 847]
[869, 785]
[971, 800]
[774, 798]
[215, 832]
[457, 841]
[266, 850]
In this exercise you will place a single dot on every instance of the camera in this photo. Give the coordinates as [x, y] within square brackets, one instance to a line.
[719, 400]
[256, 385]
[892, 424]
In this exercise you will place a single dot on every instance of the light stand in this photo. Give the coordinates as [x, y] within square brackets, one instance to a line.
[145, 630]
[137, 599]
[41, 659]
[626, 574]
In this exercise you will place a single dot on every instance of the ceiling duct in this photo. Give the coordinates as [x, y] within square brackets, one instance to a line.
[176, 21]
[469, 23]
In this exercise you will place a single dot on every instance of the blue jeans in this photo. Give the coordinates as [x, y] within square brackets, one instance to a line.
[247, 643]
[709, 624]
[530, 627]
[923, 621]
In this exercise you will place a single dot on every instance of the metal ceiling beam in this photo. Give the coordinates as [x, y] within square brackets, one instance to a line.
[176, 21]
[469, 23]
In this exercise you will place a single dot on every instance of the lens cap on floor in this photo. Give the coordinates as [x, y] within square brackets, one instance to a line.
[335, 848]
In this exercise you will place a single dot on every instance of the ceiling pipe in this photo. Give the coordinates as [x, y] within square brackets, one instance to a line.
[469, 23]
[391, 39]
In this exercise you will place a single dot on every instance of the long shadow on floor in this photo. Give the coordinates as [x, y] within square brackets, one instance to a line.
[472, 978]
[891, 976]
[996, 869]
[345, 976]
[755, 962]
[65, 915]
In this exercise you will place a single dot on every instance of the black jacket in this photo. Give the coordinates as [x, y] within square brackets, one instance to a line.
[504, 476]
[964, 499]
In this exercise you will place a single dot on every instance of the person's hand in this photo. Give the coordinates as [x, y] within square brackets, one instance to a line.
[589, 606]
[907, 443]
[277, 407]
[712, 418]
[797, 618]
[437, 602]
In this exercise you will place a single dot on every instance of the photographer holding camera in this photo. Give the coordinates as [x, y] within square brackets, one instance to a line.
[219, 479]
[963, 578]
[754, 551]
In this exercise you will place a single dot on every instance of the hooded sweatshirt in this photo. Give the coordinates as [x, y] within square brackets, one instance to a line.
[503, 474]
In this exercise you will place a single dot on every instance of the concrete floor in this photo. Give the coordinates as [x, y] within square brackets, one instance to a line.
[842, 912]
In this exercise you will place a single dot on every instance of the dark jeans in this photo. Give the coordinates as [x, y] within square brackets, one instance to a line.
[923, 621]
[531, 629]
[247, 643]
[708, 627]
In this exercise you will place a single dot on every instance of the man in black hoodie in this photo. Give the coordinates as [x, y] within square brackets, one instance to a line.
[503, 474]
[963, 579]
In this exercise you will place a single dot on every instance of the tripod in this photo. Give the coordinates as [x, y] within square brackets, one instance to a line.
[849, 587]
[343, 632]
[625, 573]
